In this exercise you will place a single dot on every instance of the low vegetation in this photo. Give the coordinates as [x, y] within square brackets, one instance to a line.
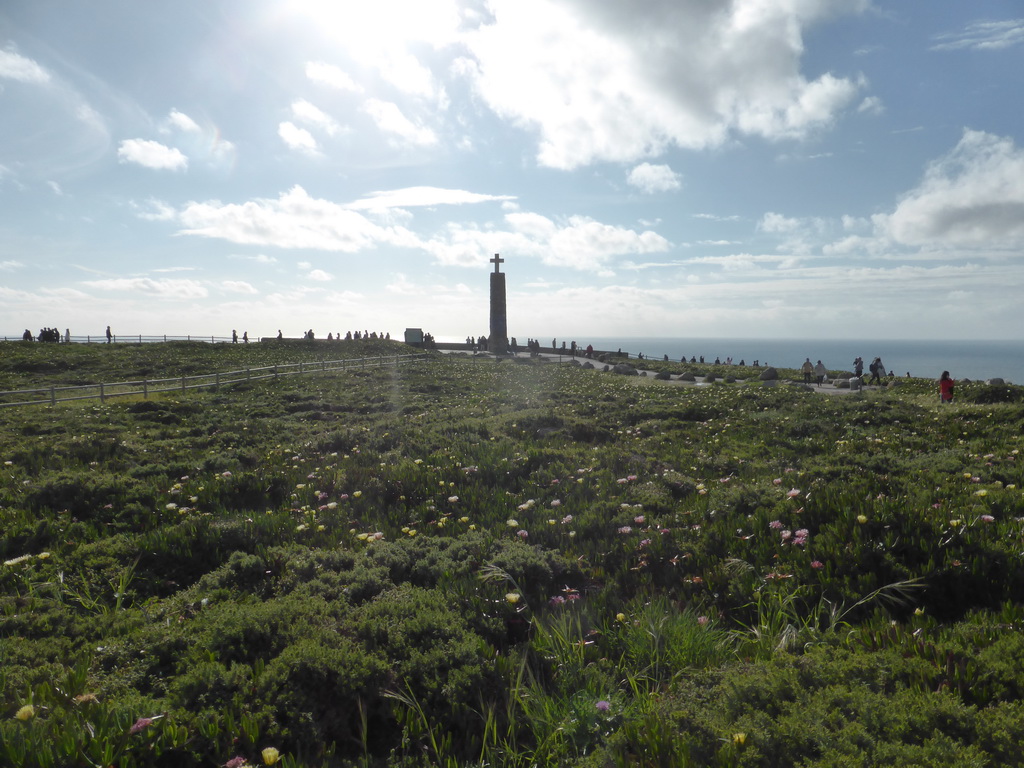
[464, 563]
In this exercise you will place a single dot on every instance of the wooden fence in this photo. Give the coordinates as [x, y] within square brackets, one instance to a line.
[144, 387]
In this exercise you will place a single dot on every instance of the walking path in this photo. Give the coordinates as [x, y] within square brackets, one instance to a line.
[649, 376]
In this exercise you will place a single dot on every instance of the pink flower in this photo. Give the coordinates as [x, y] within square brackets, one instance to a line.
[777, 481]
[775, 525]
[639, 519]
[235, 762]
[603, 706]
[817, 565]
[793, 492]
[702, 620]
[645, 542]
[625, 529]
[556, 503]
[631, 478]
[987, 518]
[556, 601]
[567, 519]
[522, 534]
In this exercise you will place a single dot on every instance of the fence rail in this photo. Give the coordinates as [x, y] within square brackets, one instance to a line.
[144, 387]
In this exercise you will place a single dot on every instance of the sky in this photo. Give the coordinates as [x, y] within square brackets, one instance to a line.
[821, 169]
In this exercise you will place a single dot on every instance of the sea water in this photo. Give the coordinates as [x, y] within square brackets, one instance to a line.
[926, 359]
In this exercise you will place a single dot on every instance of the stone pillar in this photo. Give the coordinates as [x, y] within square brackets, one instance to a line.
[498, 341]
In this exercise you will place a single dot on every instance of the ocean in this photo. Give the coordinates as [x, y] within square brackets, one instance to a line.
[926, 359]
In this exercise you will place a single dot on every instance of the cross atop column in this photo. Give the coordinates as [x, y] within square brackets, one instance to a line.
[496, 261]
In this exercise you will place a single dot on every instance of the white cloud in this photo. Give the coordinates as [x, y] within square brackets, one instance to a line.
[297, 138]
[389, 118]
[606, 80]
[654, 178]
[871, 105]
[983, 35]
[777, 223]
[328, 74]
[412, 197]
[10, 265]
[13, 66]
[319, 276]
[310, 113]
[183, 122]
[260, 258]
[577, 242]
[164, 289]
[151, 154]
[154, 210]
[971, 198]
[295, 220]
[238, 286]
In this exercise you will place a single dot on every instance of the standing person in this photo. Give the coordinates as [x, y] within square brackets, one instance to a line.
[820, 372]
[234, 336]
[858, 367]
[946, 385]
[807, 369]
[109, 335]
[67, 335]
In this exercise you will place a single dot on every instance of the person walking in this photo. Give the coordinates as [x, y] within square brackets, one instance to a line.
[877, 371]
[820, 372]
[946, 385]
[109, 335]
[807, 369]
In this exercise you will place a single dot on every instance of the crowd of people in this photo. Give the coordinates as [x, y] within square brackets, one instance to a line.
[47, 335]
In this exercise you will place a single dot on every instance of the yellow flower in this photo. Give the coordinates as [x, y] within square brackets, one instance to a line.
[512, 598]
[27, 712]
[270, 756]
[862, 519]
[620, 617]
[739, 739]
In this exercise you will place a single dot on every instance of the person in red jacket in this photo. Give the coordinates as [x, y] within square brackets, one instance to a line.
[946, 385]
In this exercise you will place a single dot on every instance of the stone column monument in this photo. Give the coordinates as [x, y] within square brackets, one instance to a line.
[498, 341]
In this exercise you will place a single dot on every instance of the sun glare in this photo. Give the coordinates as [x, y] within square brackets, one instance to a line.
[383, 25]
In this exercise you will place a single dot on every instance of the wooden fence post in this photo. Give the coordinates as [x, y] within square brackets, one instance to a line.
[103, 398]
[53, 395]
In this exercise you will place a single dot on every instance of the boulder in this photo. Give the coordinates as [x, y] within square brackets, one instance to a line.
[996, 382]
[768, 374]
[710, 378]
[589, 366]
[687, 376]
[770, 383]
[663, 376]
[624, 369]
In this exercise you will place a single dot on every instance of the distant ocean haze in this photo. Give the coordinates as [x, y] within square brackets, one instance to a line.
[925, 359]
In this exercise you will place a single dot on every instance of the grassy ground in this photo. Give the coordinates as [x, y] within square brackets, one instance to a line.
[457, 563]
